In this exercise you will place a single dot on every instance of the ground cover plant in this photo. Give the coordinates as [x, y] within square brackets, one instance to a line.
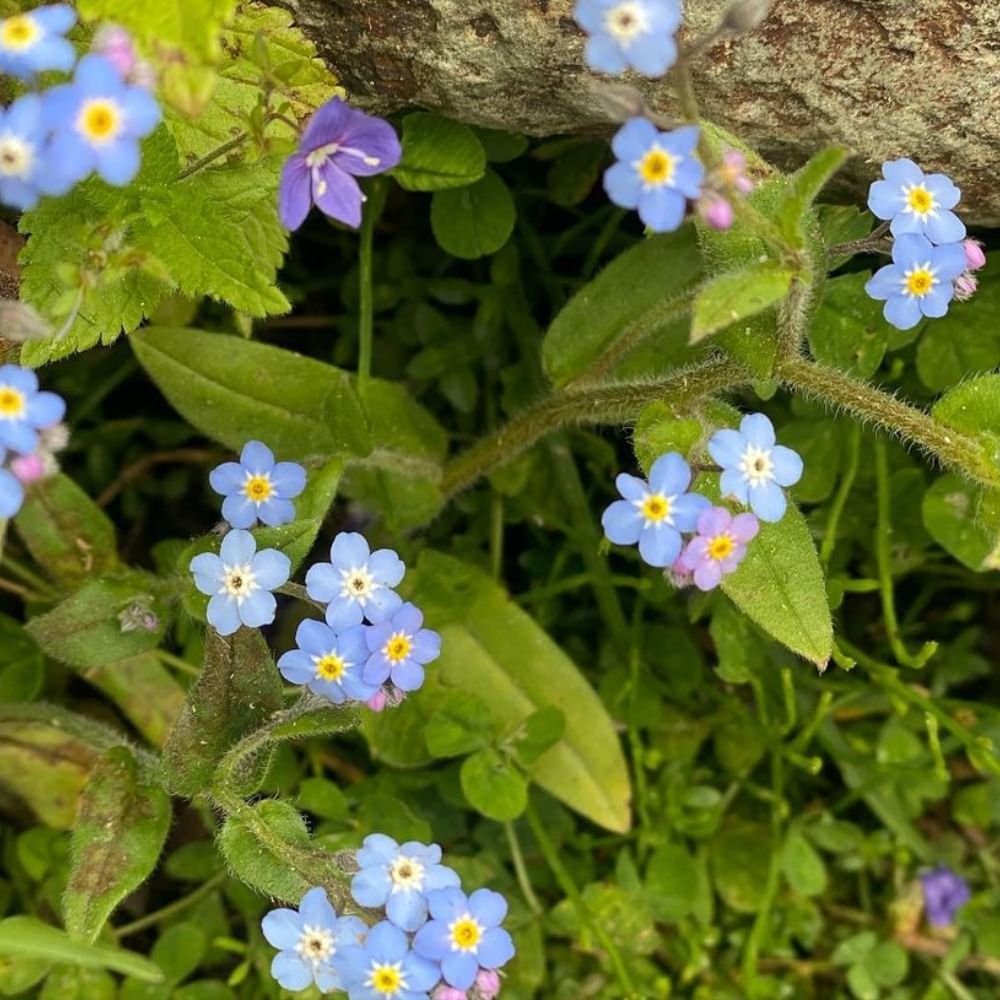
[443, 563]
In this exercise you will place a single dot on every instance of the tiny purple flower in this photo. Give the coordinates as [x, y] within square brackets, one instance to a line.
[654, 513]
[716, 211]
[117, 46]
[28, 468]
[339, 144]
[719, 546]
[465, 935]
[399, 649]
[445, 992]
[945, 891]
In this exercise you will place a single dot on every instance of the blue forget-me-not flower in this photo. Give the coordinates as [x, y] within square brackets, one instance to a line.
[656, 173]
[258, 487]
[399, 649]
[916, 202]
[32, 42]
[329, 663]
[24, 411]
[636, 34]
[654, 513]
[754, 468]
[385, 968]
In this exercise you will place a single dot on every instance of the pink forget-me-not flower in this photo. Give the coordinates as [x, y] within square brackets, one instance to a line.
[719, 546]
[636, 34]
[339, 144]
[916, 202]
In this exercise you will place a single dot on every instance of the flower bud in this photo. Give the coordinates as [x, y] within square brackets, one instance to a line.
[733, 171]
[716, 211]
[54, 438]
[679, 575]
[965, 286]
[449, 993]
[975, 256]
[488, 984]
[28, 468]
[377, 701]
[114, 43]
[745, 15]
[138, 617]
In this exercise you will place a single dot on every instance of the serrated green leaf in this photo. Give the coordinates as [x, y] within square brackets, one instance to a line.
[780, 586]
[638, 294]
[737, 295]
[493, 650]
[964, 519]
[804, 187]
[476, 220]
[438, 153]
[30, 937]
[492, 786]
[847, 329]
[119, 832]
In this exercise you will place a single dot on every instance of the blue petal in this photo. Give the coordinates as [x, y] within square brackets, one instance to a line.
[902, 311]
[944, 190]
[322, 582]
[885, 199]
[288, 479]
[118, 162]
[315, 637]
[386, 942]
[688, 177]
[659, 546]
[227, 478]
[408, 619]
[257, 458]
[622, 523]
[386, 567]
[496, 948]
[22, 379]
[382, 605]
[945, 227]
[56, 18]
[337, 194]
[662, 209]
[653, 55]
[351, 644]
[96, 75]
[670, 474]
[432, 941]
[377, 849]
[376, 670]
[349, 550]
[949, 261]
[787, 465]
[758, 430]
[239, 510]
[440, 877]
[238, 548]
[142, 113]
[426, 646]
[222, 614]
[459, 968]
[726, 447]
[768, 501]
[290, 971]
[906, 224]
[294, 192]
[633, 139]
[910, 249]
[296, 667]
[604, 55]
[421, 974]
[370, 887]
[276, 511]
[282, 928]
[885, 282]
[407, 676]
[315, 909]
[733, 484]
[407, 909]
[589, 14]
[631, 487]
[447, 904]
[258, 609]
[902, 171]
[18, 436]
[488, 907]
[687, 509]
[11, 494]
[935, 303]
[342, 612]
[623, 185]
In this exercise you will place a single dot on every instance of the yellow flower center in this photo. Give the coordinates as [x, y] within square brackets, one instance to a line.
[465, 933]
[657, 167]
[330, 667]
[258, 488]
[19, 32]
[397, 648]
[721, 547]
[919, 200]
[656, 507]
[11, 403]
[919, 281]
[386, 979]
[100, 120]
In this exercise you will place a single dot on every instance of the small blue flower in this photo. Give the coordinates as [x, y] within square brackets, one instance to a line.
[240, 580]
[25, 171]
[398, 877]
[919, 282]
[945, 892]
[630, 33]
[655, 513]
[11, 492]
[258, 487]
[384, 968]
[98, 120]
[917, 202]
[754, 468]
[656, 172]
[24, 411]
[399, 649]
[465, 934]
[329, 663]
[310, 939]
[357, 583]
[33, 42]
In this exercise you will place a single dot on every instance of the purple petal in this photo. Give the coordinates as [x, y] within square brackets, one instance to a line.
[338, 195]
[295, 192]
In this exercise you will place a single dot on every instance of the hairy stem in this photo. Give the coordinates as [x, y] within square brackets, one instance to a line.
[612, 403]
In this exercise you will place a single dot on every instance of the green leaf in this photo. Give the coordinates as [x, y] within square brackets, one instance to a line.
[462, 723]
[802, 865]
[89, 628]
[119, 832]
[438, 153]
[23, 671]
[740, 852]
[494, 651]
[30, 937]
[179, 950]
[539, 732]
[658, 431]
[79, 984]
[322, 798]
[476, 220]
[671, 883]
[964, 519]
[633, 299]
[238, 689]
[847, 329]
[973, 406]
[67, 534]
[492, 786]
[887, 963]
[780, 586]
[737, 295]
[804, 187]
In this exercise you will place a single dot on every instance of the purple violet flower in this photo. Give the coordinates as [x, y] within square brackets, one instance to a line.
[944, 892]
[339, 144]
[719, 546]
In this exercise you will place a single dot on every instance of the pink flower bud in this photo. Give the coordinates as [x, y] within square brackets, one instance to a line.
[975, 256]
[965, 286]
[679, 575]
[450, 993]
[28, 468]
[733, 171]
[377, 701]
[114, 43]
[717, 212]
[488, 984]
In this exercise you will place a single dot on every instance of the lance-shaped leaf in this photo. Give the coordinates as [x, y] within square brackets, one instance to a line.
[238, 690]
[804, 187]
[120, 828]
[738, 295]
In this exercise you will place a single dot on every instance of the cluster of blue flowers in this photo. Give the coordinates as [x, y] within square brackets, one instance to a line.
[50, 141]
[932, 261]
[372, 648]
[434, 941]
[30, 434]
[656, 513]
[657, 172]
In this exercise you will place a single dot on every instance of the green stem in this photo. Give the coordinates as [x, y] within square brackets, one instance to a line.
[883, 559]
[520, 869]
[177, 662]
[952, 448]
[612, 403]
[638, 751]
[840, 498]
[366, 309]
[171, 909]
[572, 893]
[215, 154]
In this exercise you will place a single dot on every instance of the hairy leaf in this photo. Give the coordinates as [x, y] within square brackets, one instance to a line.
[737, 295]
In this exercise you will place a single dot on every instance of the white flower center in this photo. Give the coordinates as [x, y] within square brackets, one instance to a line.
[406, 873]
[358, 584]
[756, 465]
[626, 21]
[238, 582]
[465, 933]
[315, 944]
[318, 157]
[16, 156]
